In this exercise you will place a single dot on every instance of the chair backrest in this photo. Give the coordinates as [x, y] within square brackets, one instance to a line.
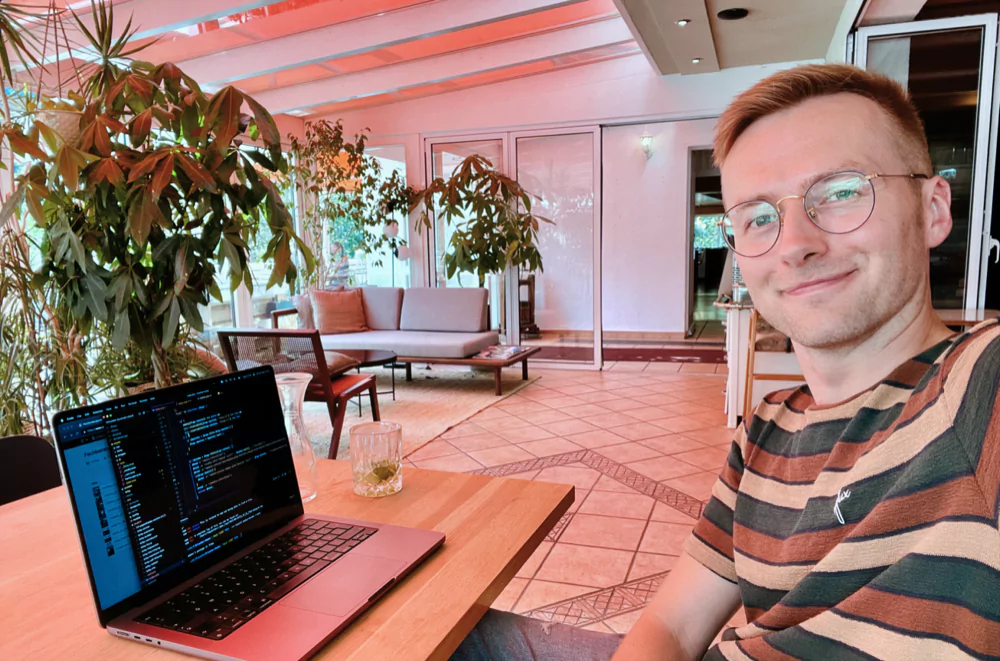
[298, 350]
[28, 465]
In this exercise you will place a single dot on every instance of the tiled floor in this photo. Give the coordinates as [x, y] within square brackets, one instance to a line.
[642, 443]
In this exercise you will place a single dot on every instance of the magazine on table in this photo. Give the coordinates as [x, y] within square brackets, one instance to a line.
[498, 352]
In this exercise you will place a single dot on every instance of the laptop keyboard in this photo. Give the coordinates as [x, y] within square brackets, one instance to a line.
[231, 597]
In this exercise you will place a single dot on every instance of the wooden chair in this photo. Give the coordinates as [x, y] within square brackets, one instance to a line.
[28, 465]
[751, 376]
[302, 351]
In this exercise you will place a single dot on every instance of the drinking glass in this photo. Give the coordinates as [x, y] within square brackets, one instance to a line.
[377, 458]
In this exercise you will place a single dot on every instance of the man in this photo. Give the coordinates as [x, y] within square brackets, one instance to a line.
[857, 516]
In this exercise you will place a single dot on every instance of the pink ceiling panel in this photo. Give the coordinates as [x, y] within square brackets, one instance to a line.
[277, 20]
[322, 13]
[283, 78]
[171, 49]
[474, 37]
[486, 78]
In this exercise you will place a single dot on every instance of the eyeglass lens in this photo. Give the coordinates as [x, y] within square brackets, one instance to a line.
[838, 204]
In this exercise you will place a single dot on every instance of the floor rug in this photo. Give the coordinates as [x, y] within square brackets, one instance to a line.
[435, 401]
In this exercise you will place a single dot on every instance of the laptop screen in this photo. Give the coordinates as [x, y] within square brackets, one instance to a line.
[168, 482]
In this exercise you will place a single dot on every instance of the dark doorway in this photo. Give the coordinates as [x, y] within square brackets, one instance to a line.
[708, 251]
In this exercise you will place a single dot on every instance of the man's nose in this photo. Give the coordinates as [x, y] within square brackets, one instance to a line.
[800, 238]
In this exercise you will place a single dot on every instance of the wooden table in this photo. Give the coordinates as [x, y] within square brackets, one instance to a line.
[492, 526]
[496, 364]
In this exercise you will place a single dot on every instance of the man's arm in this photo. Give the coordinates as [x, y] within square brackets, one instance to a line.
[683, 618]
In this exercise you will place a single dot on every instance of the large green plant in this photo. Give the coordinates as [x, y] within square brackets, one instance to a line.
[346, 193]
[493, 224]
[163, 191]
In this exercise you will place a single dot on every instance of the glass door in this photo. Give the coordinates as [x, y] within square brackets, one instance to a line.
[444, 156]
[948, 67]
[559, 308]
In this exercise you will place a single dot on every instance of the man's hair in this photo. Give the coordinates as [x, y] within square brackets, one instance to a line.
[791, 87]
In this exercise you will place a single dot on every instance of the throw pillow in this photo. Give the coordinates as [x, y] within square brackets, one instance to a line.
[303, 305]
[338, 312]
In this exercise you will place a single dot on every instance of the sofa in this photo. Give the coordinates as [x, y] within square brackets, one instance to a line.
[421, 322]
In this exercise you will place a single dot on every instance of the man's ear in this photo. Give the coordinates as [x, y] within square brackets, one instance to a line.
[936, 201]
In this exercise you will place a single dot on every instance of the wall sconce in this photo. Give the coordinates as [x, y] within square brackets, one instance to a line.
[647, 145]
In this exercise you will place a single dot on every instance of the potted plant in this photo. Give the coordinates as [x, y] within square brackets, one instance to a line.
[493, 226]
[348, 195]
[164, 189]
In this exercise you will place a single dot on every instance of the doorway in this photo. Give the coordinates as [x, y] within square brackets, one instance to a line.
[708, 250]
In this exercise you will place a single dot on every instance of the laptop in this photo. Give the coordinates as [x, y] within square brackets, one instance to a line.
[193, 531]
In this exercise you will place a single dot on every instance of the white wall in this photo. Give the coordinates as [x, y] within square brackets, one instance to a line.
[648, 243]
[612, 92]
[647, 247]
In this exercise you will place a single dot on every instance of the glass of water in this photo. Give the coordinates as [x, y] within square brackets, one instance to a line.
[377, 458]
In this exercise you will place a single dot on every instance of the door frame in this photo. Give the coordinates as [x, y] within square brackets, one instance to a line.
[509, 149]
[983, 175]
[513, 306]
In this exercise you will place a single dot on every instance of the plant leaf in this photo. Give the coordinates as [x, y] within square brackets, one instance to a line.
[107, 170]
[12, 204]
[197, 173]
[227, 109]
[162, 175]
[143, 213]
[21, 146]
[96, 295]
[122, 330]
[65, 166]
[35, 207]
[146, 166]
[170, 323]
[265, 122]
[140, 127]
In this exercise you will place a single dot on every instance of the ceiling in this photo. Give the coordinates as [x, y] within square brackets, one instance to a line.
[773, 31]
[309, 58]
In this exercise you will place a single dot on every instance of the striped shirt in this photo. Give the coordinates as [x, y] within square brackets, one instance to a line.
[867, 529]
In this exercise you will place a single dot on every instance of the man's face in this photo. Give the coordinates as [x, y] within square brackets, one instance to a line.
[828, 290]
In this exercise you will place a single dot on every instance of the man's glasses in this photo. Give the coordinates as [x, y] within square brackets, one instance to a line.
[838, 203]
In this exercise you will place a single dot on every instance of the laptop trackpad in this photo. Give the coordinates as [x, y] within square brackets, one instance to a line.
[344, 586]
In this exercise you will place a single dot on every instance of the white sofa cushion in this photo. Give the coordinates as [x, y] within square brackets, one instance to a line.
[454, 309]
[417, 344]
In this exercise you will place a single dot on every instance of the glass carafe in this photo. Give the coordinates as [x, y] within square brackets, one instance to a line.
[292, 388]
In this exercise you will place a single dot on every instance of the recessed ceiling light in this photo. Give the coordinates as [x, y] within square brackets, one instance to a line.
[696, 60]
[683, 22]
[734, 14]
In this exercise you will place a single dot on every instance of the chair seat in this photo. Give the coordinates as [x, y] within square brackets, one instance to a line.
[350, 385]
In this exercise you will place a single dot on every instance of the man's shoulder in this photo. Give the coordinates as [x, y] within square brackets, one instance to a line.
[973, 351]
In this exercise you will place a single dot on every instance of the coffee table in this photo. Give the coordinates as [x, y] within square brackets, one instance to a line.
[492, 526]
[496, 364]
[372, 358]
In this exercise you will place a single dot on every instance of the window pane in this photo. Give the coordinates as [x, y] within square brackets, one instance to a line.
[383, 269]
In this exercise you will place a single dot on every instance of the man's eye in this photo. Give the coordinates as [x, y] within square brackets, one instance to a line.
[842, 195]
[758, 222]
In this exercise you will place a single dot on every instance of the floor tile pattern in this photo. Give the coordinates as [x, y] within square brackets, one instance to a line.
[599, 605]
[642, 443]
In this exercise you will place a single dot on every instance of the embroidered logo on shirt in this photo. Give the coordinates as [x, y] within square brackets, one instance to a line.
[841, 497]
